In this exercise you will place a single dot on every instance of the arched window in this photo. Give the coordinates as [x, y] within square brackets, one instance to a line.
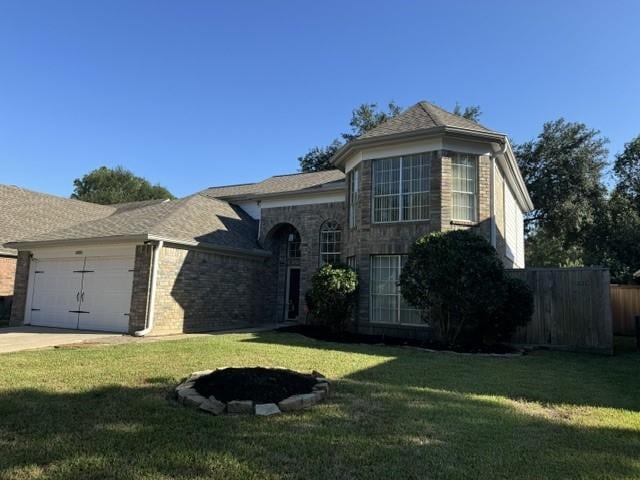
[330, 239]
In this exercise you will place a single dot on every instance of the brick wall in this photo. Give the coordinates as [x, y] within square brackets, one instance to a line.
[140, 288]
[20, 288]
[307, 220]
[202, 290]
[7, 275]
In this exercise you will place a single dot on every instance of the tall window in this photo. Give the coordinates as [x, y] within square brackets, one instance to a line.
[330, 238]
[464, 187]
[401, 188]
[293, 245]
[387, 303]
[354, 191]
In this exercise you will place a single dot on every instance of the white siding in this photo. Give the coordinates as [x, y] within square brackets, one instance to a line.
[514, 227]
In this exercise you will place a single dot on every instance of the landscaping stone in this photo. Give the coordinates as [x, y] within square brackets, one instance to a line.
[322, 386]
[212, 405]
[186, 392]
[186, 385]
[291, 403]
[195, 375]
[265, 409]
[240, 406]
[310, 399]
[193, 400]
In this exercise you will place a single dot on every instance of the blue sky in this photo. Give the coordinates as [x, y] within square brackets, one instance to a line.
[201, 93]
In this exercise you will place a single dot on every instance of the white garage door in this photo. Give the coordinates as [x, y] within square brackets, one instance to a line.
[90, 293]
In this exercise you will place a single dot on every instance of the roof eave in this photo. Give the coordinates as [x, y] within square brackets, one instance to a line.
[341, 155]
[290, 193]
[30, 244]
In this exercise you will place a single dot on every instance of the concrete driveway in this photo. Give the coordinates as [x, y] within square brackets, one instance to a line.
[15, 339]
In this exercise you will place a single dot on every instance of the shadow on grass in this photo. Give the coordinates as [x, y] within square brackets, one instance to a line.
[369, 429]
[544, 376]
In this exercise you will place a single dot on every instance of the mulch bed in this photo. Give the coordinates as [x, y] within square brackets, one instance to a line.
[261, 385]
[327, 335]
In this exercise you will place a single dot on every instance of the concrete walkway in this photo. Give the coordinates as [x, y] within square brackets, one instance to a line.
[16, 339]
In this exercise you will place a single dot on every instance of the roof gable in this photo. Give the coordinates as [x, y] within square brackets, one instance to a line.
[423, 115]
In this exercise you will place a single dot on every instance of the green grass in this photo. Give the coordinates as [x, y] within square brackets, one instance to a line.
[104, 412]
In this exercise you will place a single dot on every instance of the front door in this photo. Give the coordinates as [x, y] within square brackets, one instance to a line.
[293, 294]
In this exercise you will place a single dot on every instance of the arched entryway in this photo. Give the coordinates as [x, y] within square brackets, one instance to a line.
[285, 243]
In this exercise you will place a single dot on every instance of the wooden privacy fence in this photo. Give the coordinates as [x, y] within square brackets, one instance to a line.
[572, 309]
[625, 305]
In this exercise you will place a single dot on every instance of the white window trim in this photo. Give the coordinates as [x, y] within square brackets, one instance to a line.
[354, 196]
[475, 194]
[399, 306]
[400, 193]
[322, 252]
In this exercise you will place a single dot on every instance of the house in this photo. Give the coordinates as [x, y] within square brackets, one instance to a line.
[244, 254]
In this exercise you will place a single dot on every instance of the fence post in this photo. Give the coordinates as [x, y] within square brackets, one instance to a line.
[638, 332]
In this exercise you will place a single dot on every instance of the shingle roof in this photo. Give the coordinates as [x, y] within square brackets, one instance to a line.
[194, 219]
[421, 116]
[123, 207]
[25, 213]
[278, 184]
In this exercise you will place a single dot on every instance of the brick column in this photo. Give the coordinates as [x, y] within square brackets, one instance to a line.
[140, 290]
[445, 194]
[20, 289]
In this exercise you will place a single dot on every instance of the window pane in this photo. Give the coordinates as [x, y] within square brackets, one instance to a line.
[386, 189]
[463, 187]
[330, 239]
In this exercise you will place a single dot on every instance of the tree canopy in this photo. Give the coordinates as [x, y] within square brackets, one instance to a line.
[563, 170]
[363, 118]
[108, 186]
[627, 170]
[471, 112]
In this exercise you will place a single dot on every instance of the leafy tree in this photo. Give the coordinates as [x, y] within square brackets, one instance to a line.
[107, 186]
[472, 112]
[563, 170]
[333, 295]
[363, 118]
[627, 169]
[319, 158]
[458, 281]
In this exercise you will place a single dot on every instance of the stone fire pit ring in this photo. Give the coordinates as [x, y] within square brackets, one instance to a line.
[187, 395]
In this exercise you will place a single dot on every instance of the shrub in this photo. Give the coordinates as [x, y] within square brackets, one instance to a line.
[458, 281]
[333, 296]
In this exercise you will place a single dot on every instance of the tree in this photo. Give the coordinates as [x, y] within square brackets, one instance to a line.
[627, 169]
[333, 295]
[563, 170]
[458, 281]
[472, 112]
[107, 186]
[363, 118]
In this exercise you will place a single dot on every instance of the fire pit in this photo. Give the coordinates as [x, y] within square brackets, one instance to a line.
[252, 390]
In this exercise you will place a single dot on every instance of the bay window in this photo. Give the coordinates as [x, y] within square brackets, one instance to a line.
[401, 188]
[387, 303]
[464, 182]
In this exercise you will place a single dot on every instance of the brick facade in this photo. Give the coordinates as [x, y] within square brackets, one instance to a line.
[7, 275]
[307, 220]
[200, 290]
[20, 288]
[140, 288]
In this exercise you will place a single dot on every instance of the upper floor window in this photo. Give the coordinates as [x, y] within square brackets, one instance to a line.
[464, 173]
[354, 191]
[401, 188]
[330, 239]
[293, 245]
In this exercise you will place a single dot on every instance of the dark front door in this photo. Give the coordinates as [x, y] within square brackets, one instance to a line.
[293, 294]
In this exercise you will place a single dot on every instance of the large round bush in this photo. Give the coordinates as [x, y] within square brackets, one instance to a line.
[458, 281]
[333, 296]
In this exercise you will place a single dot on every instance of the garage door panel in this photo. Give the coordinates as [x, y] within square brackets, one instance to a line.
[56, 292]
[106, 293]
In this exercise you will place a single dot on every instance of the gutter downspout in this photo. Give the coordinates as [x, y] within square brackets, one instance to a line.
[152, 292]
[492, 190]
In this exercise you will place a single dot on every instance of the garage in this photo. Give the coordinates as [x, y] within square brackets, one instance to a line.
[87, 292]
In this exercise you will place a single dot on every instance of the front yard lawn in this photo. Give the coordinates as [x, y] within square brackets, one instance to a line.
[103, 412]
